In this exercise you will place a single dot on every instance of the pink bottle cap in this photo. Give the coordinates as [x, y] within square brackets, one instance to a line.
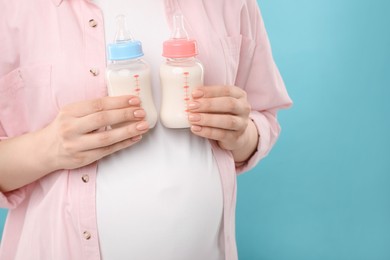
[179, 46]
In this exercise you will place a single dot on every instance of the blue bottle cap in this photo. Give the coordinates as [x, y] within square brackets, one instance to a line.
[124, 46]
[125, 50]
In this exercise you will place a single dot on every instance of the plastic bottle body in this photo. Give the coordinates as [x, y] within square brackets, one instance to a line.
[178, 78]
[132, 77]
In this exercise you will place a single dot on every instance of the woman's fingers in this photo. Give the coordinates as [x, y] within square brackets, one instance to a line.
[107, 150]
[220, 113]
[84, 108]
[78, 130]
[221, 121]
[86, 157]
[219, 100]
[110, 137]
[227, 139]
[88, 116]
[218, 91]
[218, 105]
[105, 118]
[226, 129]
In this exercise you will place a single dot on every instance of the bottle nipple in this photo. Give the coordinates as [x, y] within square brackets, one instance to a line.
[122, 34]
[179, 32]
[124, 46]
[179, 45]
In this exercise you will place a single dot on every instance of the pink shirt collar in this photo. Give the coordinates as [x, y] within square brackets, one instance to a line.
[57, 2]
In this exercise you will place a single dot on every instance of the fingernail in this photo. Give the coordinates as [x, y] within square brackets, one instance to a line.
[134, 101]
[193, 105]
[194, 117]
[197, 93]
[139, 113]
[142, 126]
[136, 138]
[196, 128]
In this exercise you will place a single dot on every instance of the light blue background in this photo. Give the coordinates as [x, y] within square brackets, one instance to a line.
[324, 191]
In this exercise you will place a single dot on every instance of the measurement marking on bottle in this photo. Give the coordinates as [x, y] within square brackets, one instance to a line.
[186, 90]
[137, 88]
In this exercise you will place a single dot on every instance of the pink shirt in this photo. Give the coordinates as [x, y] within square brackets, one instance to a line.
[53, 53]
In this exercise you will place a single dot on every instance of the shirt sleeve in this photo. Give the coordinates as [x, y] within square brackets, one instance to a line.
[11, 199]
[2, 133]
[260, 78]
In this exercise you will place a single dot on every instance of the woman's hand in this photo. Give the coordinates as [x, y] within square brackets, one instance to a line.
[79, 134]
[221, 113]
[75, 138]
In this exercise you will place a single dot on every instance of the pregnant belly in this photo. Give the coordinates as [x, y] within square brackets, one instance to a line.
[161, 203]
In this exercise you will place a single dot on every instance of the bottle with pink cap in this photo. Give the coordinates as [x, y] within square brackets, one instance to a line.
[180, 73]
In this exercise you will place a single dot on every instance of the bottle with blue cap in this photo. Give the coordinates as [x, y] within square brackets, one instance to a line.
[127, 73]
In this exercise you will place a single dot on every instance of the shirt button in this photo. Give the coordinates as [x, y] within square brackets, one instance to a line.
[92, 23]
[87, 235]
[94, 72]
[85, 178]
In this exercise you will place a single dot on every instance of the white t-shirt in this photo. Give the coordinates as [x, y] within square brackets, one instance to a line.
[161, 198]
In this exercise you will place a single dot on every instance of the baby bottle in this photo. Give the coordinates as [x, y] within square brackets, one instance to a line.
[180, 73]
[127, 73]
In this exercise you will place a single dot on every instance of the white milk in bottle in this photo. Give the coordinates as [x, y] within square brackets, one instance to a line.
[127, 73]
[180, 73]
